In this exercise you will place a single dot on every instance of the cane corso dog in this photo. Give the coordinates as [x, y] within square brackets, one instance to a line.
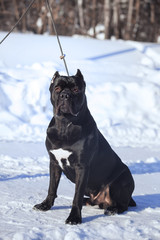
[78, 149]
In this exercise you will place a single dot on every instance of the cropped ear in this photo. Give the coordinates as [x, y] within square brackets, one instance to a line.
[55, 76]
[79, 74]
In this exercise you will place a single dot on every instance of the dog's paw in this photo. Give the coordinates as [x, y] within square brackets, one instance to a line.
[74, 217]
[44, 206]
[73, 220]
[109, 211]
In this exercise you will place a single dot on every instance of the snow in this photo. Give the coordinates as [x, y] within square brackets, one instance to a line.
[123, 92]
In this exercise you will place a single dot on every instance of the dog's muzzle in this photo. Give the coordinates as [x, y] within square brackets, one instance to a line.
[65, 105]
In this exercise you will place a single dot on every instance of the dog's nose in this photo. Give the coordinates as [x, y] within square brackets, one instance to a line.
[64, 96]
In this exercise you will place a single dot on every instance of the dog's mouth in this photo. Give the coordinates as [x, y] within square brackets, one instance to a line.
[65, 108]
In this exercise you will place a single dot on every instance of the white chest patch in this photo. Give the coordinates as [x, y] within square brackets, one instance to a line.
[61, 156]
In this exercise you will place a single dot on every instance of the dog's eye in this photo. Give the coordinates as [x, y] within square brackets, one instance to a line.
[75, 90]
[57, 89]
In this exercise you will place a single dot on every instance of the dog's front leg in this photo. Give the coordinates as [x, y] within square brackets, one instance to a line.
[81, 181]
[55, 174]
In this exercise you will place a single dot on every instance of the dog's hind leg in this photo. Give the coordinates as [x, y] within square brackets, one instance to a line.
[132, 203]
[120, 192]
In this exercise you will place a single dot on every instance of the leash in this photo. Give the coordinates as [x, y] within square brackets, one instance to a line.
[60, 46]
[54, 27]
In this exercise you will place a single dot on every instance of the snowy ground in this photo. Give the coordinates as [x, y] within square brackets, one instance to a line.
[123, 92]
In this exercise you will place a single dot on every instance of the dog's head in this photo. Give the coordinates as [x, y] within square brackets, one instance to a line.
[67, 94]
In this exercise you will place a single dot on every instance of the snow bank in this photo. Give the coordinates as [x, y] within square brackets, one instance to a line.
[123, 88]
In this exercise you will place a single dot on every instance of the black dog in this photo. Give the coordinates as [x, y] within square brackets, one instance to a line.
[77, 148]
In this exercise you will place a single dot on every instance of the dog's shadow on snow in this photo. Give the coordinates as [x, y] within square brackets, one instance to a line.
[60, 207]
[146, 202]
[142, 168]
[91, 218]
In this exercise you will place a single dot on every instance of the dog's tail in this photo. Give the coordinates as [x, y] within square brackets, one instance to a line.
[132, 203]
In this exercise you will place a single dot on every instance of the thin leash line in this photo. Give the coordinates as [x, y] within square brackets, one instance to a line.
[54, 27]
[17, 22]
[55, 30]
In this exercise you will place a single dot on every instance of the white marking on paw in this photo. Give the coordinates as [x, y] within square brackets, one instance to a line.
[61, 154]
